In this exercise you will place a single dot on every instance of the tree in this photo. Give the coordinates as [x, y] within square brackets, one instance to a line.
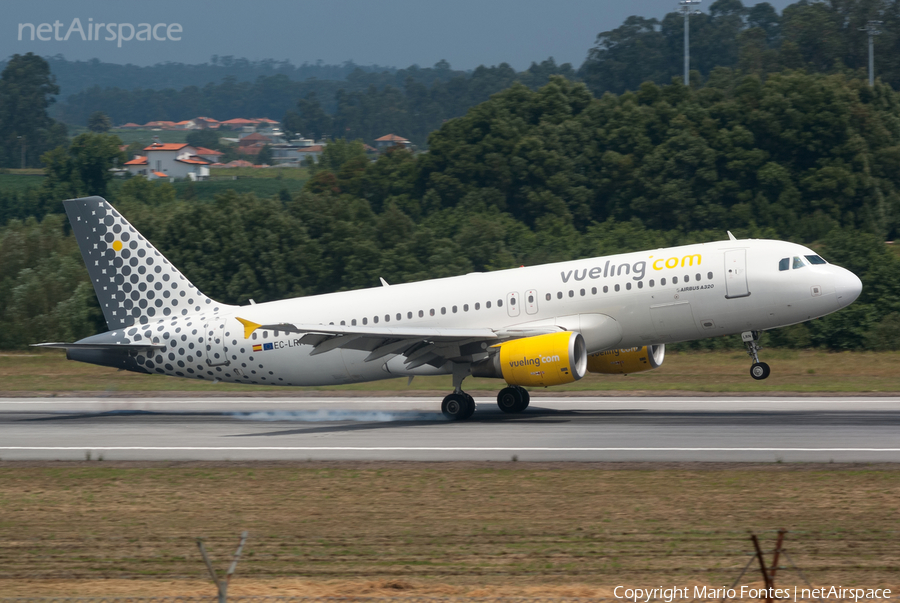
[309, 120]
[26, 91]
[264, 157]
[204, 138]
[337, 153]
[99, 122]
[82, 169]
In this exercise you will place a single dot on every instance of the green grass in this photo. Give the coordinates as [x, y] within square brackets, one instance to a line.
[438, 529]
[714, 372]
[19, 183]
[146, 136]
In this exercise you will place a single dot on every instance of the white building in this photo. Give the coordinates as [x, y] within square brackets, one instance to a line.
[175, 160]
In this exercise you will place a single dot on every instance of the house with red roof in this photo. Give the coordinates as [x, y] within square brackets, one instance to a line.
[174, 160]
[208, 154]
[237, 123]
[391, 140]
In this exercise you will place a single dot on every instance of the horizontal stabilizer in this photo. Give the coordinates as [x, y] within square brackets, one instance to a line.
[124, 347]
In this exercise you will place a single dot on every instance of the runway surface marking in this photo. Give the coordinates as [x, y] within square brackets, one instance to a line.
[449, 448]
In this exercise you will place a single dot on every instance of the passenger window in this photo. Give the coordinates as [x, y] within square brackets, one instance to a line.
[640, 284]
[798, 263]
[617, 287]
[465, 307]
[559, 295]
[582, 293]
[628, 286]
[387, 318]
[409, 315]
[477, 306]
[352, 323]
[549, 297]
[784, 264]
[343, 323]
[499, 303]
[365, 321]
[687, 278]
[399, 316]
[571, 293]
[421, 313]
[487, 304]
[815, 259]
[454, 309]
[662, 282]
[530, 299]
[443, 310]
[605, 289]
[697, 276]
[431, 312]
[374, 319]
[674, 280]
[709, 275]
[593, 290]
[651, 282]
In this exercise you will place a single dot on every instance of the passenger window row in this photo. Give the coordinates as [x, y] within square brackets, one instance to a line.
[628, 285]
[421, 313]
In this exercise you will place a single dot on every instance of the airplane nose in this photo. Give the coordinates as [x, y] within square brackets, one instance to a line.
[847, 287]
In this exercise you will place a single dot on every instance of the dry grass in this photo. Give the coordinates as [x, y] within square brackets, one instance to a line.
[426, 528]
[792, 371]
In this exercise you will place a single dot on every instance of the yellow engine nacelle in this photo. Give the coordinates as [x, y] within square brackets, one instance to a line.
[629, 360]
[540, 361]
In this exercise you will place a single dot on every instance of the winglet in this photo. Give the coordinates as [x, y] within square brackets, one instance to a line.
[249, 326]
[731, 236]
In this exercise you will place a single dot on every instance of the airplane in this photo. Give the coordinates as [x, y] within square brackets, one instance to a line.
[535, 326]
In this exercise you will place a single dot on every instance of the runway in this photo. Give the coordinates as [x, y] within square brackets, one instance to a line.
[728, 429]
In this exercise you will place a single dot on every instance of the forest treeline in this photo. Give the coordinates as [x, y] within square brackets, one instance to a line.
[527, 177]
[410, 102]
[357, 102]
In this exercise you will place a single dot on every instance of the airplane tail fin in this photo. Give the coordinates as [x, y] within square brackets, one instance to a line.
[133, 281]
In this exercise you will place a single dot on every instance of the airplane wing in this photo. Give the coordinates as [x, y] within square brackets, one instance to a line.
[420, 345]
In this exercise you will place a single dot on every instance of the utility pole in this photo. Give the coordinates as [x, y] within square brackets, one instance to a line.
[685, 7]
[871, 28]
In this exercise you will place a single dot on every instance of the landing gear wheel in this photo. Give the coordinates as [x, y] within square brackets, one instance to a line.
[759, 371]
[526, 397]
[457, 407]
[471, 404]
[513, 399]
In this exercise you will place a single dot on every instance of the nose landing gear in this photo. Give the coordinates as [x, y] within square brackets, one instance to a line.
[758, 370]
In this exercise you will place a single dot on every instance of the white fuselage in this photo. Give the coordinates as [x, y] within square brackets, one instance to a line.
[663, 296]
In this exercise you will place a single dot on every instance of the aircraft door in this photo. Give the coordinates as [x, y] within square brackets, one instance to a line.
[512, 304]
[531, 302]
[736, 274]
[216, 347]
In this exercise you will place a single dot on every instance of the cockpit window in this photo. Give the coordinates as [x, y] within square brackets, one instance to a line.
[814, 259]
[784, 264]
[798, 263]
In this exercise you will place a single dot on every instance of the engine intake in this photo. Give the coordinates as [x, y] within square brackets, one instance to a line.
[541, 361]
[629, 360]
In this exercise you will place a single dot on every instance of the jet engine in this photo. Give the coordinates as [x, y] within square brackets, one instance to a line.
[629, 360]
[541, 361]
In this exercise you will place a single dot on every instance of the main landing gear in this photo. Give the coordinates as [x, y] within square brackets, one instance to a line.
[758, 370]
[513, 399]
[458, 406]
